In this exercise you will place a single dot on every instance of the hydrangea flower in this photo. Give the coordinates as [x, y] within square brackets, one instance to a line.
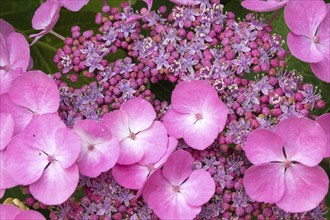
[14, 213]
[141, 138]
[134, 176]
[309, 39]
[14, 57]
[178, 188]
[100, 151]
[264, 5]
[33, 93]
[324, 121]
[197, 114]
[285, 168]
[6, 29]
[44, 157]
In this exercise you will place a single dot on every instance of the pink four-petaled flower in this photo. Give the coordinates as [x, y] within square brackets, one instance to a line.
[44, 157]
[141, 138]
[176, 191]
[286, 170]
[197, 114]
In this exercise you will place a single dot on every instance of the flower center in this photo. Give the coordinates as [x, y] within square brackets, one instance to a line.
[132, 136]
[6, 68]
[91, 147]
[176, 188]
[316, 39]
[199, 116]
[151, 167]
[287, 163]
[50, 158]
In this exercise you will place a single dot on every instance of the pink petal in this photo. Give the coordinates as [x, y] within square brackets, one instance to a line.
[68, 145]
[201, 134]
[29, 215]
[6, 181]
[215, 110]
[46, 15]
[131, 151]
[6, 129]
[178, 167]
[304, 140]
[199, 188]
[43, 129]
[140, 114]
[7, 78]
[25, 162]
[159, 194]
[176, 122]
[322, 69]
[131, 176]
[117, 123]
[19, 51]
[73, 5]
[8, 211]
[134, 18]
[323, 32]
[189, 97]
[45, 18]
[56, 184]
[304, 17]
[263, 6]
[305, 188]
[264, 146]
[265, 182]
[4, 54]
[186, 2]
[154, 141]
[171, 146]
[304, 48]
[5, 28]
[22, 116]
[324, 121]
[40, 95]
[104, 152]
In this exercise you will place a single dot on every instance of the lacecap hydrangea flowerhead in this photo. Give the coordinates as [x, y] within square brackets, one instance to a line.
[178, 109]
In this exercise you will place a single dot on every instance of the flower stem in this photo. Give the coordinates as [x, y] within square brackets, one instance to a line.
[273, 17]
[57, 35]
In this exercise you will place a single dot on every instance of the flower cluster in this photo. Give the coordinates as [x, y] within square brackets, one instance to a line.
[223, 147]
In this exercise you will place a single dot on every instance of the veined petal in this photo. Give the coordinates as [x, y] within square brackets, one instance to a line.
[131, 151]
[305, 188]
[304, 140]
[154, 141]
[47, 14]
[117, 123]
[131, 176]
[263, 6]
[24, 161]
[6, 129]
[322, 69]
[199, 188]
[29, 215]
[265, 182]
[5, 28]
[262, 146]
[304, 17]
[186, 2]
[324, 121]
[6, 181]
[19, 51]
[140, 114]
[8, 211]
[188, 97]
[73, 5]
[56, 184]
[40, 94]
[178, 167]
